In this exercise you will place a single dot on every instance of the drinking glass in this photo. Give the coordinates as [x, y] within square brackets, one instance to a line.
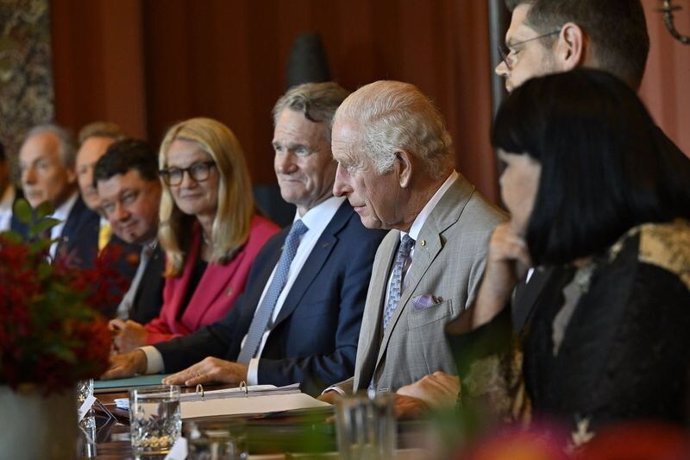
[155, 420]
[366, 427]
[216, 440]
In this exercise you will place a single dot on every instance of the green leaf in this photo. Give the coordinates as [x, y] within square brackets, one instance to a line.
[44, 209]
[22, 209]
[46, 223]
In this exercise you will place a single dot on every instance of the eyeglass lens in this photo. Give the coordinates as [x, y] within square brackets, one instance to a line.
[505, 52]
[197, 171]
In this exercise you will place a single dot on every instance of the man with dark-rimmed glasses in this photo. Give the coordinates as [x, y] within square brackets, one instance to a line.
[547, 36]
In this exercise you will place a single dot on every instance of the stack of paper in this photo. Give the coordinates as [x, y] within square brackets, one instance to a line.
[257, 399]
[245, 400]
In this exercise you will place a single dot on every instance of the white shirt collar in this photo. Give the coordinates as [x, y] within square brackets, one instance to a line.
[318, 217]
[62, 211]
[6, 203]
[8, 197]
[429, 206]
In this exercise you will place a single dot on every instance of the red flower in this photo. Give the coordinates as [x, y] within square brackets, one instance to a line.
[51, 332]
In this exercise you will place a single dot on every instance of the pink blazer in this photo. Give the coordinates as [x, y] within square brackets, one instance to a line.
[218, 288]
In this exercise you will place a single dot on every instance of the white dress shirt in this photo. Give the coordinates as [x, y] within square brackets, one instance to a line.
[6, 203]
[61, 214]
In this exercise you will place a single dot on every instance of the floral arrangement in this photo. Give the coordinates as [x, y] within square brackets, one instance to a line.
[51, 334]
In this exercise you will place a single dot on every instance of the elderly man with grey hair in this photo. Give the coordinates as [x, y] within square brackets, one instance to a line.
[395, 166]
[299, 317]
[47, 168]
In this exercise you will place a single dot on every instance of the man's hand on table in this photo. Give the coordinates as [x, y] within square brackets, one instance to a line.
[433, 391]
[126, 365]
[209, 370]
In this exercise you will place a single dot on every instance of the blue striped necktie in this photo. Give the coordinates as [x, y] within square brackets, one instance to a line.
[265, 310]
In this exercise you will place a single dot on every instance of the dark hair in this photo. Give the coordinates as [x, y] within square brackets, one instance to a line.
[617, 29]
[125, 155]
[605, 165]
[3, 157]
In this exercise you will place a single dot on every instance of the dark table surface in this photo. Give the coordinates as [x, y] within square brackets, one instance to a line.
[301, 435]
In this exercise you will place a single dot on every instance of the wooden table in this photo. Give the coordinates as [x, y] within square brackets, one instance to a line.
[268, 437]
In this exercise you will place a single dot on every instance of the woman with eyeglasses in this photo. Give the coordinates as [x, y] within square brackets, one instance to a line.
[600, 205]
[208, 228]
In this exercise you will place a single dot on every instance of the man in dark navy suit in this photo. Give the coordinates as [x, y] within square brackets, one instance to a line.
[46, 164]
[313, 324]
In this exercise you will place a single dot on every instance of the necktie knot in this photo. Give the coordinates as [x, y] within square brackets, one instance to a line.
[296, 231]
[406, 246]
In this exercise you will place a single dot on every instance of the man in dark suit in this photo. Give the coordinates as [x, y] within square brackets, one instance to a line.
[311, 325]
[129, 190]
[46, 163]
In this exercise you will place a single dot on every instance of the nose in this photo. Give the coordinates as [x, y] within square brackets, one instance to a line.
[120, 213]
[28, 176]
[501, 69]
[341, 185]
[284, 162]
[187, 180]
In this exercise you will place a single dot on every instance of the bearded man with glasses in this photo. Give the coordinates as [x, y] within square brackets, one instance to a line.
[548, 36]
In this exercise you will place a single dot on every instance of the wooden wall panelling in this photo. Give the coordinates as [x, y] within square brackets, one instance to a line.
[666, 85]
[98, 64]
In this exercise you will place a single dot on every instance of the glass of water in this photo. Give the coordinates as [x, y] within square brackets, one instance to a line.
[365, 427]
[216, 440]
[155, 420]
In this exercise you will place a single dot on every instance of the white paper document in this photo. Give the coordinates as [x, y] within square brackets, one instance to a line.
[259, 399]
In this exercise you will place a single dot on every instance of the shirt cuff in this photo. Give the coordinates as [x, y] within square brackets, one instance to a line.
[253, 372]
[335, 388]
[154, 360]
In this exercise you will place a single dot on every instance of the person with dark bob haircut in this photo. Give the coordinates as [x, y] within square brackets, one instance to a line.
[589, 189]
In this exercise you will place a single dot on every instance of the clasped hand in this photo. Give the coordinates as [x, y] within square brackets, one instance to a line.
[127, 335]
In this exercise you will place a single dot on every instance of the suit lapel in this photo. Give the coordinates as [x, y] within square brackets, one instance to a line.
[368, 348]
[429, 244]
[317, 258]
[73, 221]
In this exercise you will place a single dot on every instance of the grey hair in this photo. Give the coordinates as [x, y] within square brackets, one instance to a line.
[101, 129]
[396, 116]
[316, 101]
[66, 145]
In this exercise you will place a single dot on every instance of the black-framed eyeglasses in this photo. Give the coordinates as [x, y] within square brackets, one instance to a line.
[507, 54]
[198, 171]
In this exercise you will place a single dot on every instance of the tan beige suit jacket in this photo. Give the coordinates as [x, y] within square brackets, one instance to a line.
[442, 280]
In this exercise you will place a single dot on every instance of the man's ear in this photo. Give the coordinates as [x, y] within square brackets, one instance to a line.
[403, 167]
[571, 49]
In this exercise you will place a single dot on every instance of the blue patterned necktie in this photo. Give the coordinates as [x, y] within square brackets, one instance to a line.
[265, 310]
[394, 291]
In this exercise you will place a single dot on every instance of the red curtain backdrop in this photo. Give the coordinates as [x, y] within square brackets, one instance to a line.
[148, 63]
